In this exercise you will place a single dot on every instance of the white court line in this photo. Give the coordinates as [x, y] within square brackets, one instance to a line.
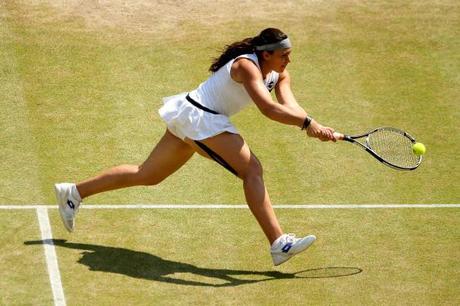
[287, 206]
[50, 252]
[26, 206]
[51, 258]
[236, 206]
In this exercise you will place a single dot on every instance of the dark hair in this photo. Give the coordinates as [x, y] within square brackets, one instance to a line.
[247, 45]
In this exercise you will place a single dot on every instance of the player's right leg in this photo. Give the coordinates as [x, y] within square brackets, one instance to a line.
[167, 157]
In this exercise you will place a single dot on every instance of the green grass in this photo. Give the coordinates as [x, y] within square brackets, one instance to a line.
[24, 279]
[77, 100]
[364, 263]
[80, 86]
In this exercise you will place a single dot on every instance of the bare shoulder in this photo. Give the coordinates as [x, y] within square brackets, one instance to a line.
[243, 69]
[284, 84]
[284, 76]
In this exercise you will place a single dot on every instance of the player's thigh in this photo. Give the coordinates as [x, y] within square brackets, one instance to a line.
[234, 150]
[167, 157]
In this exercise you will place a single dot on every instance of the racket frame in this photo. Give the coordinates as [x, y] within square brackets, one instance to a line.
[353, 139]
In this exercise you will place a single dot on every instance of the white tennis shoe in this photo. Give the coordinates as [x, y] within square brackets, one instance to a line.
[69, 201]
[287, 245]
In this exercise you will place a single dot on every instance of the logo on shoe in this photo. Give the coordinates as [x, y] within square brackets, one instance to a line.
[287, 247]
[70, 203]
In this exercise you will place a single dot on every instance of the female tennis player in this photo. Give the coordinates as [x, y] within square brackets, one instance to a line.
[198, 121]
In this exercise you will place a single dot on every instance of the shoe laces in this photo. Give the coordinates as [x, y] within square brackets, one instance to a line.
[290, 238]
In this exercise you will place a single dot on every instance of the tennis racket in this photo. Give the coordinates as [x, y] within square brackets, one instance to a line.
[390, 146]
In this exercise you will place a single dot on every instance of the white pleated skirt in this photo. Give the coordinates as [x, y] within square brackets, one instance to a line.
[185, 120]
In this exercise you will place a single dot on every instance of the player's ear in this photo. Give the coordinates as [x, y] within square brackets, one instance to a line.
[266, 55]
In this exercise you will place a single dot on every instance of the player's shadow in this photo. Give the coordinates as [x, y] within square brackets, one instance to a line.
[151, 267]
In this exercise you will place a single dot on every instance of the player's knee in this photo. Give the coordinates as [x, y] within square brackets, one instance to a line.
[147, 179]
[152, 181]
[253, 171]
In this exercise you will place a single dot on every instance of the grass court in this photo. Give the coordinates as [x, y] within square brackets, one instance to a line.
[80, 86]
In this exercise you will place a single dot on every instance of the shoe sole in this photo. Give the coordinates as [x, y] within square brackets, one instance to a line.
[61, 211]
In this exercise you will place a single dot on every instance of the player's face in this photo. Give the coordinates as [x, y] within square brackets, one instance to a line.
[279, 59]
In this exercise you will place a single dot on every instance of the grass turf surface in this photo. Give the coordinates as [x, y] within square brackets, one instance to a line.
[23, 278]
[78, 97]
[393, 256]
[80, 86]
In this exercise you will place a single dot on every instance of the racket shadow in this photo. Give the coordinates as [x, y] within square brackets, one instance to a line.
[328, 272]
[151, 267]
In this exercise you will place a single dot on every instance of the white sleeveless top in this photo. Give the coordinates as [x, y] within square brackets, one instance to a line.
[224, 95]
[219, 93]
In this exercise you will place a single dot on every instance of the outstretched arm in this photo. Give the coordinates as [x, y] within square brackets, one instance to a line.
[247, 73]
[287, 111]
[286, 97]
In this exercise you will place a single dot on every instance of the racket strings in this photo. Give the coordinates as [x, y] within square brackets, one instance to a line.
[394, 147]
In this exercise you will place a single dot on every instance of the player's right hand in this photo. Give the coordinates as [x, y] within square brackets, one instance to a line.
[316, 130]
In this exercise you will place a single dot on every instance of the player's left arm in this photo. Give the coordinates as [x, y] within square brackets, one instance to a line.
[284, 94]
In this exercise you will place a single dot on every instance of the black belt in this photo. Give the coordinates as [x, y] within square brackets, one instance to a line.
[196, 104]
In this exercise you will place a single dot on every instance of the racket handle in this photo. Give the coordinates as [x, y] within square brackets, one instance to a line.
[338, 136]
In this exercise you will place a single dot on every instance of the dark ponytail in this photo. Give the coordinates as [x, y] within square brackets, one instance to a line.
[247, 46]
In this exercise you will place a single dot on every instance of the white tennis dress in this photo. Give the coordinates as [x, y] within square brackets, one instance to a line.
[219, 93]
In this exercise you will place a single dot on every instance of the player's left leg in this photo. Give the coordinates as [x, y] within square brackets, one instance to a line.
[232, 152]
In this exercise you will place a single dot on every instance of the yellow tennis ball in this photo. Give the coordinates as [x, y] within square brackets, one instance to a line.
[418, 148]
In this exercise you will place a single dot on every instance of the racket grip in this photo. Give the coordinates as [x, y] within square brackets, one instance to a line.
[338, 136]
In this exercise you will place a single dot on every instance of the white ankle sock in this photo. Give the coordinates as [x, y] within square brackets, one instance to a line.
[277, 241]
[75, 193]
